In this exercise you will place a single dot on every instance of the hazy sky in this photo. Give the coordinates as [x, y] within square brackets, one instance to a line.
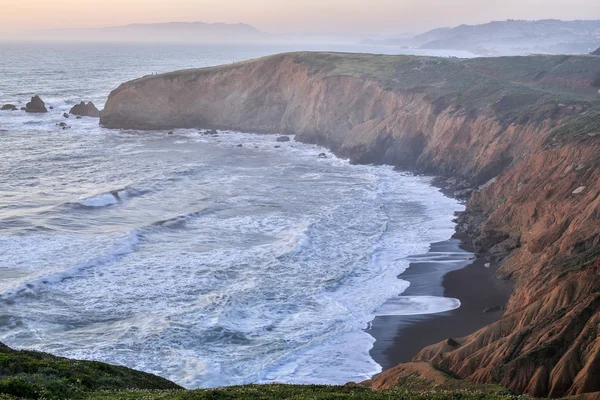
[284, 16]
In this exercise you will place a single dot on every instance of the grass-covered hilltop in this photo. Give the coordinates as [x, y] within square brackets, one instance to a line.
[35, 375]
[513, 88]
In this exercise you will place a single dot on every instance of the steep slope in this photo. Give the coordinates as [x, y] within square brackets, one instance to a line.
[597, 52]
[31, 374]
[522, 131]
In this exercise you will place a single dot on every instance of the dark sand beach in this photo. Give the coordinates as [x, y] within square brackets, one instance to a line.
[446, 270]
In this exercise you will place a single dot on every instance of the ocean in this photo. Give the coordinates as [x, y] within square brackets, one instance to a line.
[186, 255]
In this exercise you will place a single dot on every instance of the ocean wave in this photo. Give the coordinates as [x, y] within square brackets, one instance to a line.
[123, 245]
[417, 305]
[110, 198]
[181, 221]
[338, 360]
[294, 260]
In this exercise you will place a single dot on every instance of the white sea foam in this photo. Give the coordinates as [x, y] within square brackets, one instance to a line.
[109, 198]
[50, 260]
[251, 264]
[255, 264]
[338, 360]
[417, 305]
[101, 200]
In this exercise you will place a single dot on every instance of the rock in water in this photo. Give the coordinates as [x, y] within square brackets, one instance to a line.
[322, 155]
[85, 110]
[283, 139]
[8, 107]
[36, 105]
[66, 115]
[494, 309]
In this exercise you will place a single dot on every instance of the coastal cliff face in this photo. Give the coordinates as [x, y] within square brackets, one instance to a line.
[543, 215]
[523, 132]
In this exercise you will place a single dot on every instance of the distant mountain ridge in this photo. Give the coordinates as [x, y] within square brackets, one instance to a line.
[511, 37]
[159, 32]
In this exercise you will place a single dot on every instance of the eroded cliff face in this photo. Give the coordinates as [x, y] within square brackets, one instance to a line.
[543, 214]
[539, 158]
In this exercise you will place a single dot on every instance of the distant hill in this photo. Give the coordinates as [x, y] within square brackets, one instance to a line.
[597, 52]
[511, 37]
[162, 32]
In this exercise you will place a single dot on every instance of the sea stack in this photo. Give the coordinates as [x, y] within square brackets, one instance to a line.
[36, 105]
[8, 107]
[85, 110]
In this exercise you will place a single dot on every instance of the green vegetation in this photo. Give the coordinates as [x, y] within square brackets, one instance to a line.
[553, 74]
[585, 123]
[445, 370]
[312, 392]
[579, 261]
[35, 375]
[515, 89]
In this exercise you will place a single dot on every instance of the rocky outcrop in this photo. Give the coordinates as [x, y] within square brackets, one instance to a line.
[547, 342]
[85, 110]
[597, 52]
[8, 107]
[36, 105]
[492, 124]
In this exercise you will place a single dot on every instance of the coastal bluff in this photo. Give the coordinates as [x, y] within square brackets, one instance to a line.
[521, 133]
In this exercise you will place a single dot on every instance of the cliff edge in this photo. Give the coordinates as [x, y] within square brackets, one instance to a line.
[521, 133]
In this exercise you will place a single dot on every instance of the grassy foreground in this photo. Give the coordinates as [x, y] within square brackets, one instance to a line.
[36, 375]
[297, 392]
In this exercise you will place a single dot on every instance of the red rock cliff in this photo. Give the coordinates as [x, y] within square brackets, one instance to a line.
[526, 127]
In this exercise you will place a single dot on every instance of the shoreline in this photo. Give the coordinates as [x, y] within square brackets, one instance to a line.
[447, 270]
